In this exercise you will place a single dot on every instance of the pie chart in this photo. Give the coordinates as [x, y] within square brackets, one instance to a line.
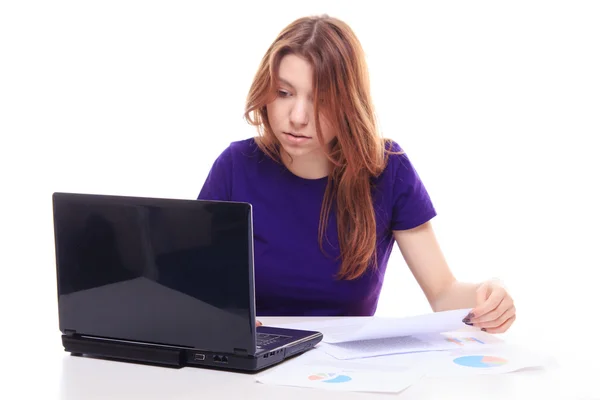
[480, 361]
[330, 378]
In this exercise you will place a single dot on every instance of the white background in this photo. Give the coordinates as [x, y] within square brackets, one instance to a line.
[497, 104]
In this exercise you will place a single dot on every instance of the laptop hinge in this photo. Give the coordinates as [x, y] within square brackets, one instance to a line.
[69, 332]
[240, 352]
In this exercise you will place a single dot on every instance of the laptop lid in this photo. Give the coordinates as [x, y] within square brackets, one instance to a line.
[165, 271]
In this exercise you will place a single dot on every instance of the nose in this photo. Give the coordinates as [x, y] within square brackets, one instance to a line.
[299, 114]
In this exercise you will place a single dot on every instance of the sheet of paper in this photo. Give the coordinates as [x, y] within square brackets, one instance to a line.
[409, 344]
[495, 359]
[334, 376]
[365, 328]
[395, 373]
[492, 360]
[403, 361]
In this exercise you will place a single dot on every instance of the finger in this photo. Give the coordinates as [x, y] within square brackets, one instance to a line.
[505, 304]
[498, 321]
[258, 323]
[504, 327]
[490, 304]
[481, 294]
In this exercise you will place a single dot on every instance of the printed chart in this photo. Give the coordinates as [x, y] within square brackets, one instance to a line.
[487, 360]
[477, 361]
[330, 377]
[464, 340]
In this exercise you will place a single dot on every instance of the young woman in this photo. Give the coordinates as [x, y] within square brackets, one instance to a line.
[330, 197]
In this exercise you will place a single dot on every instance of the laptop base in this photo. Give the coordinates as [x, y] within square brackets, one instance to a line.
[178, 357]
[122, 351]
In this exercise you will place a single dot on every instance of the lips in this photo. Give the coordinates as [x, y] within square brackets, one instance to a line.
[297, 135]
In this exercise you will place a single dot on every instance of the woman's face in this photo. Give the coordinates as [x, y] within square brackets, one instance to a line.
[291, 114]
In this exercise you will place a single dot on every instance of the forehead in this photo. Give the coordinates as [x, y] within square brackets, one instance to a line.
[296, 72]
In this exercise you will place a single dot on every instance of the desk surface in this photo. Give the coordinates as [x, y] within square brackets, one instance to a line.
[74, 378]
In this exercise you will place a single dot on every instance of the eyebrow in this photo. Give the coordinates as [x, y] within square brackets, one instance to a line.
[285, 82]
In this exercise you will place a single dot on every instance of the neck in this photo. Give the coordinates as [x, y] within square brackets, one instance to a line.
[309, 166]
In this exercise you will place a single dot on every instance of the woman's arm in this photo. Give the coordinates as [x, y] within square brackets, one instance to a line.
[492, 307]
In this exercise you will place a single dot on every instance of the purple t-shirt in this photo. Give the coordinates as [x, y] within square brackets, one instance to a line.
[292, 275]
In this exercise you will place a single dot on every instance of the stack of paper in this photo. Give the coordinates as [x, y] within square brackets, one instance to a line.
[409, 344]
[351, 338]
[389, 354]
[342, 330]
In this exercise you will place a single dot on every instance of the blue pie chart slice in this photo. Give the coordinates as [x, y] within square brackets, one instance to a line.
[480, 361]
[339, 379]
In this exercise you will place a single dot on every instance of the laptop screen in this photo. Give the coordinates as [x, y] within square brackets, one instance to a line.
[176, 272]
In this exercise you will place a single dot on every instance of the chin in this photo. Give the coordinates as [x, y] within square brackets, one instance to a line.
[298, 150]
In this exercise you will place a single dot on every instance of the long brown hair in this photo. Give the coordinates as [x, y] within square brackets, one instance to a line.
[357, 153]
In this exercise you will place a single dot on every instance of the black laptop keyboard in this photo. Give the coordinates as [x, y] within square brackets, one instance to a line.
[267, 339]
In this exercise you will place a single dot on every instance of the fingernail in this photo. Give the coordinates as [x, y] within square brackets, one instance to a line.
[470, 315]
[484, 329]
[467, 321]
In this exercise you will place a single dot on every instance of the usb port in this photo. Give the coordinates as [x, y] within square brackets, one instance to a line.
[199, 357]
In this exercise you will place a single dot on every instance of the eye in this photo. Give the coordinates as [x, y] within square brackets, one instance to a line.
[283, 93]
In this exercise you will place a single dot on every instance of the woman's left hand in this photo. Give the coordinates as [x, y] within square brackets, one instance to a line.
[495, 311]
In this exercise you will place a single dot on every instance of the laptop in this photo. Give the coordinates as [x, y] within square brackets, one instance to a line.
[163, 281]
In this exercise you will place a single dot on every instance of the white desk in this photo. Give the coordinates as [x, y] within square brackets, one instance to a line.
[80, 378]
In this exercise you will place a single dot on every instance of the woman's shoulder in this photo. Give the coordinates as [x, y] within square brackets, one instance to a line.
[400, 173]
[242, 148]
[233, 166]
[396, 159]
[404, 191]
[240, 152]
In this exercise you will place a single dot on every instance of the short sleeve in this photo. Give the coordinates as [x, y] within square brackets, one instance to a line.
[217, 185]
[411, 203]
